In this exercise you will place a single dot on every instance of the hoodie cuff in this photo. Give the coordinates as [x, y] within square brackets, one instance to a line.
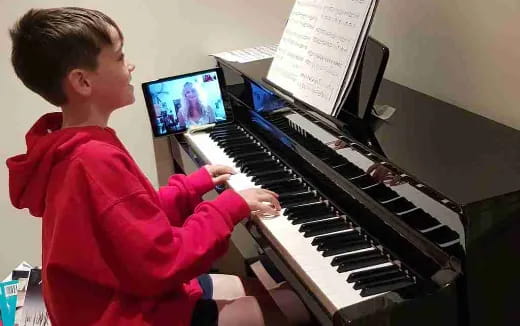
[234, 204]
[201, 181]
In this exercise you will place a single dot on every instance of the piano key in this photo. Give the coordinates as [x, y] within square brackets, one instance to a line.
[367, 274]
[297, 201]
[313, 218]
[323, 227]
[381, 193]
[399, 205]
[364, 181]
[349, 246]
[442, 235]
[419, 219]
[334, 238]
[386, 286]
[360, 256]
[318, 208]
[316, 271]
[378, 279]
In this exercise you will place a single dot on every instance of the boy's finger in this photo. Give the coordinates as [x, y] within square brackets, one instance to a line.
[224, 169]
[221, 178]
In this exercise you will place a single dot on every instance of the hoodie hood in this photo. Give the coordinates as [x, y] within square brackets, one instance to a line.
[47, 145]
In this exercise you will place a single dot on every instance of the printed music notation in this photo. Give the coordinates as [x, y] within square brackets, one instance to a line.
[321, 44]
[313, 4]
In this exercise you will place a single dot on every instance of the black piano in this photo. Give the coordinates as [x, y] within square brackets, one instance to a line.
[414, 220]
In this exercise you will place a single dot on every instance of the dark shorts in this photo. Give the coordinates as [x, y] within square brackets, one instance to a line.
[206, 311]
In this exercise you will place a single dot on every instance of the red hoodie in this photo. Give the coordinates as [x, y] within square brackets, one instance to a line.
[116, 251]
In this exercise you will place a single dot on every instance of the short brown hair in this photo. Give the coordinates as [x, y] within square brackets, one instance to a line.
[49, 43]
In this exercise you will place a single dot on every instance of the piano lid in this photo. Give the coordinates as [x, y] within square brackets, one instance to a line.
[462, 155]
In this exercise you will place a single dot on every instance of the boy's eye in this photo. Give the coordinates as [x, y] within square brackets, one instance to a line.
[121, 57]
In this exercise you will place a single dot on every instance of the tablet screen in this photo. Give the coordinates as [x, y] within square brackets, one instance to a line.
[264, 100]
[176, 103]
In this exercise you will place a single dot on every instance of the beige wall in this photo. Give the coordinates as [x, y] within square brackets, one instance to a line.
[464, 52]
[162, 38]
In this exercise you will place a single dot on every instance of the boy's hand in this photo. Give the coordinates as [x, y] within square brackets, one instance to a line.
[261, 201]
[219, 173]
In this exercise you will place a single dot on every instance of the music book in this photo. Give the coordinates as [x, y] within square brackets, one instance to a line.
[319, 53]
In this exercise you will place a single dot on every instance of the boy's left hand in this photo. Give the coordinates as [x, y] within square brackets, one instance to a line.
[219, 173]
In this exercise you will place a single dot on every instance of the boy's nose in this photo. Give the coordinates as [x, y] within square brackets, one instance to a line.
[131, 67]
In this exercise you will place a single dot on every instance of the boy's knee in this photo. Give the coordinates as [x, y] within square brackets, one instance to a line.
[227, 287]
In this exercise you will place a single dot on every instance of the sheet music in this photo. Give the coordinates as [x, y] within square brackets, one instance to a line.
[292, 50]
[320, 48]
[249, 54]
[355, 61]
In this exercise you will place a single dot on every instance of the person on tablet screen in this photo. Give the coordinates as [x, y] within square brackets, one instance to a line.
[194, 110]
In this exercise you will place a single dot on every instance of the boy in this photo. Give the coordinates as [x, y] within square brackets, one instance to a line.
[115, 251]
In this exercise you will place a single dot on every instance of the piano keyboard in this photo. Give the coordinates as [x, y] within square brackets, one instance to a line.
[339, 264]
[435, 221]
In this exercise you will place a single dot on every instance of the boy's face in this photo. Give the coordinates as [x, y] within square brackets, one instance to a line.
[111, 87]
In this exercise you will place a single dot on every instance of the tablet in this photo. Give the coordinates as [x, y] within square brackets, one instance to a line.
[177, 103]
[265, 100]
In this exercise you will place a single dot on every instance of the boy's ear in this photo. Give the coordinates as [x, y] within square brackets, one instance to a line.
[78, 81]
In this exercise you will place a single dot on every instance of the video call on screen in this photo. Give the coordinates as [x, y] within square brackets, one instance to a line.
[184, 102]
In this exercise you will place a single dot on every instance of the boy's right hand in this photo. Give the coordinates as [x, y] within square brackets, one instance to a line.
[261, 201]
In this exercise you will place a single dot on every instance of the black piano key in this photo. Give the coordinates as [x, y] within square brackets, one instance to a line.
[442, 235]
[293, 185]
[387, 286]
[378, 279]
[335, 238]
[368, 274]
[399, 205]
[303, 202]
[263, 166]
[361, 263]
[249, 154]
[312, 212]
[455, 250]
[349, 170]
[342, 248]
[323, 227]
[259, 162]
[303, 198]
[254, 157]
[280, 170]
[344, 241]
[356, 257]
[419, 219]
[267, 181]
[364, 181]
[320, 207]
[312, 218]
[227, 142]
[335, 160]
[227, 135]
[381, 193]
[241, 149]
[287, 196]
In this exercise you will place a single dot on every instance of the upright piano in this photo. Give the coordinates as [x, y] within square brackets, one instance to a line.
[415, 220]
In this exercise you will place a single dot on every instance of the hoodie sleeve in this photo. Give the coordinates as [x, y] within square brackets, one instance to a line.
[148, 256]
[184, 189]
